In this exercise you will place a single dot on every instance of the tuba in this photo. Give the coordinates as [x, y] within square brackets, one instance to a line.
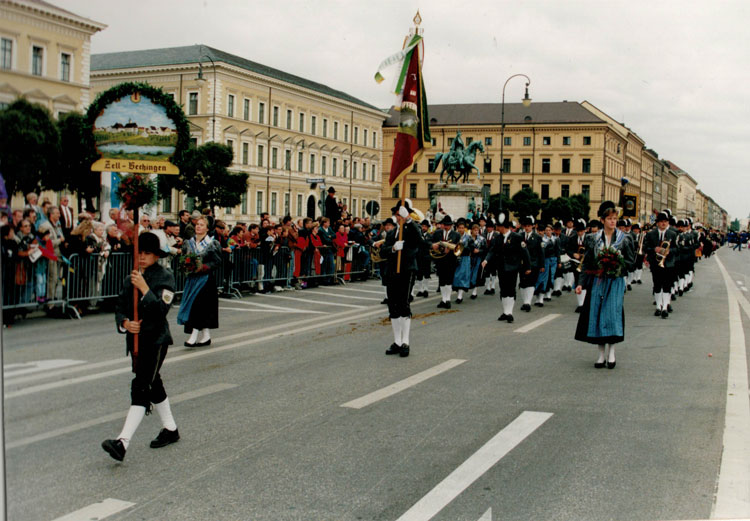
[663, 256]
[445, 248]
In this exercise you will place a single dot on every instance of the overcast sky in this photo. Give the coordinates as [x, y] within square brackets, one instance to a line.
[675, 72]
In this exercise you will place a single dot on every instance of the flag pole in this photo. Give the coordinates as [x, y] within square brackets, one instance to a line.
[401, 228]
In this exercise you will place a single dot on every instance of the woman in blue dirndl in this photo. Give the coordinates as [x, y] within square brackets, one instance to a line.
[462, 275]
[199, 309]
[602, 319]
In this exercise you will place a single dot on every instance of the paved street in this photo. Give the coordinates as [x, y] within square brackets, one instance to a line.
[292, 413]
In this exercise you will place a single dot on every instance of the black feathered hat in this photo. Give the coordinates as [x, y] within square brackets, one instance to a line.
[605, 207]
[149, 243]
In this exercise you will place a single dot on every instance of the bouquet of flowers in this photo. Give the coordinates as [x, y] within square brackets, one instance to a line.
[136, 190]
[610, 263]
[190, 263]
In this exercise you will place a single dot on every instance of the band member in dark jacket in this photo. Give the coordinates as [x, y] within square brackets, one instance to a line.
[445, 266]
[488, 274]
[533, 243]
[509, 255]
[424, 261]
[333, 211]
[399, 276]
[574, 247]
[156, 291]
[659, 245]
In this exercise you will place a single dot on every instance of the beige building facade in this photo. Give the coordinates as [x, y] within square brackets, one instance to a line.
[294, 137]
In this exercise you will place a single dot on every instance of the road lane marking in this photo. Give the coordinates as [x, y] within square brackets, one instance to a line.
[266, 307]
[97, 511]
[474, 467]
[115, 416]
[733, 489]
[397, 387]
[263, 310]
[537, 323]
[739, 282]
[487, 516]
[339, 295]
[11, 370]
[743, 288]
[316, 301]
[381, 292]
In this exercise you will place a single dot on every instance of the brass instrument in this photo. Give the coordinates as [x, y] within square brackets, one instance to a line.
[663, 255]
[375, 251]
[640, 243]
[581, 249]
[446, 247]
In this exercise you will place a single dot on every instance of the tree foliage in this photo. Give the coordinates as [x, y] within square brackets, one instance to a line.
[580, 207]
[494, 205]
[734, 226]
[558, 209]
[77, 153]
[526, 202]
[204, 176]
[29, 148]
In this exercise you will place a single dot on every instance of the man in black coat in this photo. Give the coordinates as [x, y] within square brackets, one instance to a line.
[399, 274]
[333, 211]
[533, 243]
[575, 248]
[445, 266]
[156, 290]
[510, 256]
[424, 261]
[655, 248]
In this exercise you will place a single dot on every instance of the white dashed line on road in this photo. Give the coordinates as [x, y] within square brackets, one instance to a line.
[97, 511]
[535, 324]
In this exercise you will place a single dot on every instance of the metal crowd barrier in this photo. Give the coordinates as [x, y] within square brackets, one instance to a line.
[25, 284]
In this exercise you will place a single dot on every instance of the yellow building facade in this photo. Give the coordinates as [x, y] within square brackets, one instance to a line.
[294, 137]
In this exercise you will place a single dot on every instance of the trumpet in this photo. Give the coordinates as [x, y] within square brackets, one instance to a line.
[446, 247]
[640, 243]
[665, 251]
[581, 249]
[375, 251]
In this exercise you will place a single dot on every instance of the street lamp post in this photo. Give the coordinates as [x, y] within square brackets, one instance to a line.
[202, 79]
[526, 102]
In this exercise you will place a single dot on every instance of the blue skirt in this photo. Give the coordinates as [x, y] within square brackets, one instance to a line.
[462, 275]
[602, 319]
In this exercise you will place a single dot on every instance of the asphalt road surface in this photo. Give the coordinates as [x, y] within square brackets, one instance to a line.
[295, 413]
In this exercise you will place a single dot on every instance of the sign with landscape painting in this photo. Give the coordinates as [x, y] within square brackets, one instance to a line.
[134, 133]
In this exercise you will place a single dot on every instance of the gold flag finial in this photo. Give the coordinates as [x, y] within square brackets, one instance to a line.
[417, 19]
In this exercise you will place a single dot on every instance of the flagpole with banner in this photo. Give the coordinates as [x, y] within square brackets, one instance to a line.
[413, 135]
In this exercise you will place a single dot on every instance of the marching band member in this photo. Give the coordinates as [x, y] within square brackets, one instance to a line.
[399, 279]
[575, 250]
[563, 264]
[602, 319]
[424, 261]
[445, 266]
[488, 273]
[570, 234]
[388, 226]
[533, 244]
[462, 275]
[551, 248]
[638, 265]
[658, 246]
[509, 255]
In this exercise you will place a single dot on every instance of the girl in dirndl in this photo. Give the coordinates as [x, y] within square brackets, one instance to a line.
[462, 275]
[602, 319]
[199, 309]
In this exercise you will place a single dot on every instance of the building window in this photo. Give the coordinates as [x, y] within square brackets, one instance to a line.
[414, 167]
[246, 109]
[289, 120]
[525, 186]
[312, 163]
[566, 141]
[286, 204]
[37, 60]
[301, 122]
[507, 141]
[166, 204]
[431, 164]
[345, 171]
[325, 127]
[65, 62]
[434, 141]
[413, 190]
[488, 141]
[243, 203]
[506, 164]
[6, 53]
[258, 202]
[564, 190]
[394, 192]
[300, 160]
[545, 165]
[354, 170]
[566, 165]
[546, 140]
[261, 112]
[374, 140]
[299, 204]
[586, 165]
[245, 153]
[335, 130]
[274, 196]
[487, 165]
[356, 135]
[323, 161]
[373, 172]
[526, 168]
[334, 165]
[506, 189]
[450, 141]
[313, 125]
[545, 192]
[192, 103]
[354, 207]
[230, 105]
[276, 116]
[527, 141]
[586, 190]
[586, 140]
[346, 132]
[364, 136]
[260, 155]
[288, 159]
[230, 144]
[274, 157]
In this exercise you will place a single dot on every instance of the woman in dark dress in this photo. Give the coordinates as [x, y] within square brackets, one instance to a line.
[602, 319]
[199, 309]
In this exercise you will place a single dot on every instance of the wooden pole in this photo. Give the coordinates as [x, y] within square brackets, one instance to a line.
[137, 267]
[401, 227]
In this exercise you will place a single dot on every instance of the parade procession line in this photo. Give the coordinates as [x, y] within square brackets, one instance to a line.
[402, 385]
[191, 395]
[733, 488]
[97, 511]
[474, 467]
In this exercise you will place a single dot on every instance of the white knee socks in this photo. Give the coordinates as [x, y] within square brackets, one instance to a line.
[165, 413]
[611, 356]
[397, 326]
[445, 292]
[193, 336]
[601, 354]
[405, 328]
[508, 303]
[132, 421]
[460, 294]
[205, 335]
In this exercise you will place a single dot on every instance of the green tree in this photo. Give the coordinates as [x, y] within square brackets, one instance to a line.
[558, 208]
[734, 226]
[580, 207]
[526, 202]
[29, 147]
[204, 176]
[77, 154]
[494, 206]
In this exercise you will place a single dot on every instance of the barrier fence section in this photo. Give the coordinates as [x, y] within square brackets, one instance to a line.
[94, 278]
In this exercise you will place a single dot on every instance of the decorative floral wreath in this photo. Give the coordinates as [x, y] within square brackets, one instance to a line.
[136, 190]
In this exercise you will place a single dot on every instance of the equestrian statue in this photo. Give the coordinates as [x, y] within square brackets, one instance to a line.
[459, 161]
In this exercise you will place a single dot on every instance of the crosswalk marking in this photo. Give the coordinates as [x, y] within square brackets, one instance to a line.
[316, 301]
[97, 511]
[342, 296]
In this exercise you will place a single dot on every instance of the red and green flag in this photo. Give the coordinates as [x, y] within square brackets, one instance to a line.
[413, 135]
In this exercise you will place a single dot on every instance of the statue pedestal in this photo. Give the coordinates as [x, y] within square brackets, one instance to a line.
[454, 199]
